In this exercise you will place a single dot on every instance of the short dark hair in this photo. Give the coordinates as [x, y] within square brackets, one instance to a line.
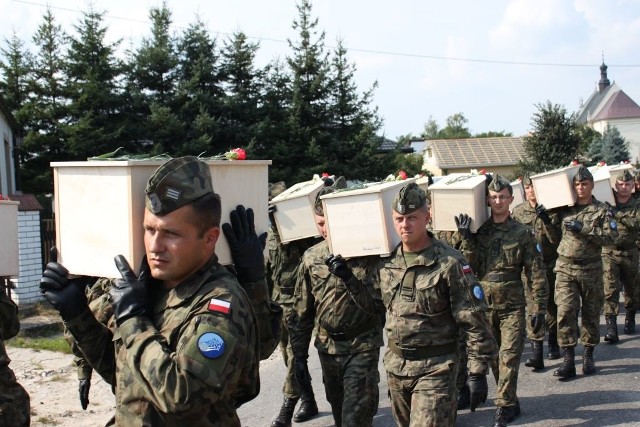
[207, 212]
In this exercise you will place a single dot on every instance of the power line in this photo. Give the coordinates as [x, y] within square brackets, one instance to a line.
[376, 52]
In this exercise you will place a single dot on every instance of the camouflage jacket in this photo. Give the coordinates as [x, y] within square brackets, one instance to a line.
[451, 238]
[9, 324]
[547, 235]
[192, 362]
[345, 326]
[599, 229]
[282, 265]
[627, 216]
[499, 254]
[428, 304]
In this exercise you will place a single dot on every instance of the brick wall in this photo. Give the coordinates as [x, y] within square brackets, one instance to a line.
[30, 258]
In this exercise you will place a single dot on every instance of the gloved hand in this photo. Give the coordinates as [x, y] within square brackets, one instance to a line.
[479, 390]
[129, 295]
[463, 223]
[301, 371]
[68, 298]
[537, 322]
[573, 225]
[338, 266]
[83, 390]
[246, 248]
[542, 213]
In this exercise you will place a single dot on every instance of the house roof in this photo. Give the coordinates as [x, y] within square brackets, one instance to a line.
[477, 152]
[28, 202]
[594, 104]
[618, 106]
[388, 145]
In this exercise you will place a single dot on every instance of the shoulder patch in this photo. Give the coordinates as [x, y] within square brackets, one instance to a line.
[219, 306]
[466, 269]
[614, 225]
[539, 247]
[478, 292]
[211, 345]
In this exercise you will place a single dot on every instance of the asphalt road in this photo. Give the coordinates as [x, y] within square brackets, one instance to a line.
[611, 397]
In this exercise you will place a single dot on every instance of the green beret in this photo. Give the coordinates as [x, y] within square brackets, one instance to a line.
[624, 176]
[410, 198]
[177, 183]
[583, 174]
[499, 183]
[317, 205]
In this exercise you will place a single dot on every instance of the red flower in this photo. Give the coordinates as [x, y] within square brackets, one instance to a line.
[236, 154]
[402, 175]
[574, 163]
[325, 175]
[483, 172]
[602, 163]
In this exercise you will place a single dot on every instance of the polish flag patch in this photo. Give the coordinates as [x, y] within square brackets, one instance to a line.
[466, 269]
[219, 306]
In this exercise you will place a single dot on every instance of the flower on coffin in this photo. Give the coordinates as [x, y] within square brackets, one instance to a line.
[574, 163]
[236, 154]
[473, 171]
[402, 175]
[325, 175]
[602, 163]
[483, 172]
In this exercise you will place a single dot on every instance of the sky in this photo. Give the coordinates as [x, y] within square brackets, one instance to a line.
[492, 61]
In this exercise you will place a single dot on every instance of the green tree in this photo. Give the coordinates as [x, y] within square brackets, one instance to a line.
[456, 128]
[15, 70]
[46, 107]
[554, 141]
[611, 148]
[95, 119]
[493, 134]
[431, 129]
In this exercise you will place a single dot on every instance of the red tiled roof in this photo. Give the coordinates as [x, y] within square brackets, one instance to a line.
[477, 152]
[619, 106]
[28, 202]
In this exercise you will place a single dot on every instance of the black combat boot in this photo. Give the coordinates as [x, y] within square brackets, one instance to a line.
[308, 408]
[464, 397]
[568, 368]
[505, 415]
[536, 360]
[612, 330]
[588, 365]
[630, 322]
[286, 413]
[554, 350]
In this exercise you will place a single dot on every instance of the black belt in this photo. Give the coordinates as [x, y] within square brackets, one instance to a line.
[352, 333]
[579, 261]
[419, 353]
[501, 277]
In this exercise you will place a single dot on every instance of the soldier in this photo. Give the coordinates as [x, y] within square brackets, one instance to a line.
[14, 400]
[620, 261]
[185, 348]
[636, 184]
[586, 227]
[281, 273]
[348, 336]
[431, 296]
[500, 252]
[547, 235]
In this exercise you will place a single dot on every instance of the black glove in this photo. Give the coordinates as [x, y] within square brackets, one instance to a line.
[83, 389]
[67, 297]
[129, 295]
[338, 266]
[537, 322]
[463, 222]
[246, 248]
[573, 225]
[479, 390]
[301, 371]
[542, 213]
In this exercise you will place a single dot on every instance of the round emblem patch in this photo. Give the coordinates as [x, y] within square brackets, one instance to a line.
[211, 345]
[538, 247]
[154, 202]
[614, 225]
[477, 292]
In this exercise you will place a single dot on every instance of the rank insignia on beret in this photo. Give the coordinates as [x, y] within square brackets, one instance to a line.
[155, 204]
[211, 345]
[172, 193]
[466, 269]
[400, 208]
[478, 292]
[219, 306]
[614, 225]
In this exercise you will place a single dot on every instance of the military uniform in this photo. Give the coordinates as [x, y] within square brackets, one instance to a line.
[579, 286]
[348, 336]
[620, 266]
[281, 270]
[14, 400]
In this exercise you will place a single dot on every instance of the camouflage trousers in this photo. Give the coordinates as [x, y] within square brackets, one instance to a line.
[508, 328]
[620, 272]
[14, 400]
[578, 290]
[428, 400]
[291, 388]
[551, 318]
[351, 386]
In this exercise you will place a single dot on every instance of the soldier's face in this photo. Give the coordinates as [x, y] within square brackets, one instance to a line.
[412, 228]
[499, 201]
[624, 188]
[583, 189]
[175, 246]
[530, 193]
[321, 225]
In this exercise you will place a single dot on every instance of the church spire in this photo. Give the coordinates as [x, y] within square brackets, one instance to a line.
[604, 81]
